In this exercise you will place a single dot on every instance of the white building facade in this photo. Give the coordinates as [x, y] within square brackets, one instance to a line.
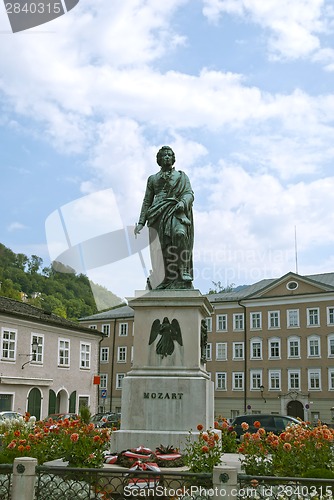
[47, 363]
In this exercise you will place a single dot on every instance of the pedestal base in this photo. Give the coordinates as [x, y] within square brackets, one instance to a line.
[166, 394]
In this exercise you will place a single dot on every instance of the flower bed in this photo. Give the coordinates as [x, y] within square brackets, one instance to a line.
[295, 452]
[80, 444]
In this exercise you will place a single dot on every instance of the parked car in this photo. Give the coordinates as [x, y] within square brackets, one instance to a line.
[103, 420]
[271, 423]
[9, 414]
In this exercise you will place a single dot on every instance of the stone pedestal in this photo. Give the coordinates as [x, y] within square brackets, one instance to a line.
[164, 397]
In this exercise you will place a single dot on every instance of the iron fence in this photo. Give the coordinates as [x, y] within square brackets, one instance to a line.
[6, 471]
[62, 483]
[283, 488]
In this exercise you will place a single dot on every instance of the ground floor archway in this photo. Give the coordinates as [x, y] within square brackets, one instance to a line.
[295, 409]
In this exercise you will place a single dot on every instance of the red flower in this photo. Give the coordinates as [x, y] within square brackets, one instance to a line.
[200, 427]
[205, 449]
[74, 437]
[96, 439]
[17, 433]
[257, 424]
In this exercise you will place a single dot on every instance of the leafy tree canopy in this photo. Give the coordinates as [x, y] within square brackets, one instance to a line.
[54, 288]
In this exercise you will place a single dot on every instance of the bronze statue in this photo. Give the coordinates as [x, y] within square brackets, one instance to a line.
[204, 340]
[167, 209]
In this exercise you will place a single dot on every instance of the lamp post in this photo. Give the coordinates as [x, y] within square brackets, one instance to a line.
[262, 396]
[34, 347]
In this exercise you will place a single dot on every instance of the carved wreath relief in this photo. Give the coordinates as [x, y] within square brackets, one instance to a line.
[169, 332]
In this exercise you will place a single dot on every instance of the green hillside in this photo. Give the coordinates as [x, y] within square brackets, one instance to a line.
[63, 293]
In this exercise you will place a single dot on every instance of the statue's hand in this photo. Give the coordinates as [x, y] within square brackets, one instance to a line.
[138, 228]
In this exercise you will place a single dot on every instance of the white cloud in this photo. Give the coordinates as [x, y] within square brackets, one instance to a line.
[16, 226]
[294, 27]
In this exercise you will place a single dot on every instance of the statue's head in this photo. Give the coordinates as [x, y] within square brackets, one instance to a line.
[161, 152]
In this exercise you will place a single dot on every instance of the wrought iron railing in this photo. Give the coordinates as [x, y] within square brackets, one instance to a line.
[6, 471]
[284, 488]
[61, 483]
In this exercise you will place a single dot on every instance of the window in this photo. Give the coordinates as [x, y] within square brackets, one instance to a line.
[83, 401]
[238, 381]
[313, 317]
[119, 380]
[292, 285]
[314, 379]
[93, 327]
[274, 348]
[313, 346]
[293, 347]
[221, 323]
[330, 341]
[238, 350]
[209, 324]
[84, 355]
[121, 354]
[6, 402]
[330, 315]
[209, 351]
[255, 379]
[273, 319]
[8, 344]
[256, 320]
[63, 352]
[256, 349]
[106, 330]
[39, 339]
[221, 351]
[331, 379]
[103, 381]
[104, 354]
[294, 380]
[221, 384]
[123, 329]
[238, 321]
[274, 380]
[293, 318]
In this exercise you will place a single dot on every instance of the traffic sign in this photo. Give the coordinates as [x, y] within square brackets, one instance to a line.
[103, 393]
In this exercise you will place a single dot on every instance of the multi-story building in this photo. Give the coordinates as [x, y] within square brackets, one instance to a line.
[47, 363]
[270, 348]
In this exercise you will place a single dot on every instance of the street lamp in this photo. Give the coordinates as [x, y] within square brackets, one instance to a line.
[262, 389]
[34, 347]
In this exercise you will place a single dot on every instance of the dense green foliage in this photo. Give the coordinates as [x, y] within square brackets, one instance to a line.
[54, 288]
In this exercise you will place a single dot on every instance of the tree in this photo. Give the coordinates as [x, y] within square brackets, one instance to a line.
[21, 261]
[34, 264]
[219, 288]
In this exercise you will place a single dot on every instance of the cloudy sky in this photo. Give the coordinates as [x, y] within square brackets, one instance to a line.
[241, 89]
